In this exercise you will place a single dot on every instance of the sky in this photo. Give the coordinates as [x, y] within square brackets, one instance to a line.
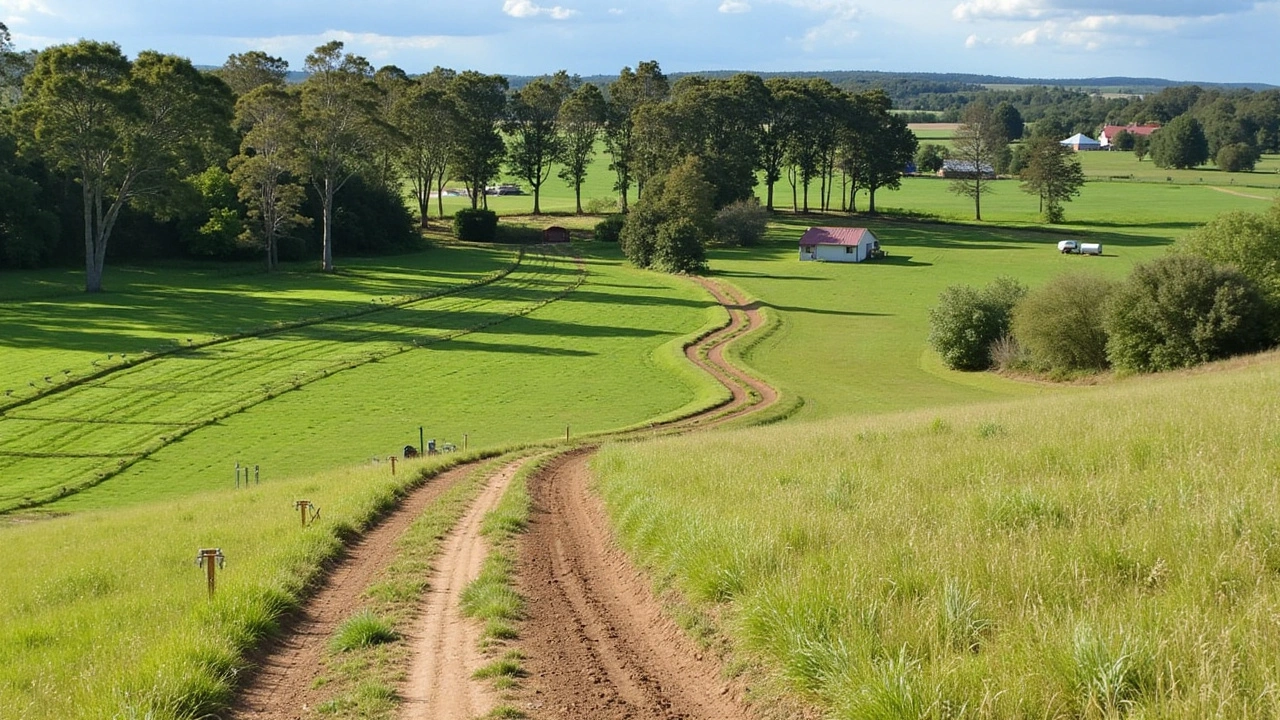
[1185, 40]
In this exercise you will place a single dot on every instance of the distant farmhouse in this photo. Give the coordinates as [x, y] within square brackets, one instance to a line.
[963, 169]
[1109, 132]
[1082, 143]
[839, 244]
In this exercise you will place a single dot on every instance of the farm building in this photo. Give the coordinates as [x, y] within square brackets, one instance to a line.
[555, 234]
[839, 244]
[1109, 132]
[964, 169]
[1082, 143]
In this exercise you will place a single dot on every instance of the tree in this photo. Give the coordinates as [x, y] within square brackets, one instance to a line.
[1238, 157]
[670, 223]
[633, 90]
[535, 141]
[127, 131]
[777, 124]
[1250, 242]
[1123, 141]
[967, 321]
[246, 72]
[1009, 117]
[1181, 310]
[1141, 146]
[424, 116]
[1060, 324]
[581, 119]
[930, 156]
[976, 145]
[338, 131]
[270, 164]
[479, 102]
[392, 85]
[28, 228]
[1180, 144]
[1053, 173]
[885, 145]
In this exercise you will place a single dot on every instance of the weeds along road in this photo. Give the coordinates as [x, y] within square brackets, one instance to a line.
[596, 642]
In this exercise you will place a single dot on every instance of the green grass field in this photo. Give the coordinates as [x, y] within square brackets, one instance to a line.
[1107, 553]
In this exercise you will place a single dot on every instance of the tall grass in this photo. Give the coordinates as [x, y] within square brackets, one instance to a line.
[1107, 553]
[104, 614]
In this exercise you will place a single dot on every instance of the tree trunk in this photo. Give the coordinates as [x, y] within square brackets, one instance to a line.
[806, 195]
[768, 203]
[326, 262]
[92, 273]
[537, 192]
[871, 200]
[977, 203]
[577, 194]
[440, 194]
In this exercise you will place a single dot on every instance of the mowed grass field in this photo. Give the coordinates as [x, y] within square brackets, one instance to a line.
[853, 337]
[601, 355]
[1107, 553]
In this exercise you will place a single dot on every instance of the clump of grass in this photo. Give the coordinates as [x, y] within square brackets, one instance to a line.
[1027, 508]
[362, 630]
[990, 430]
[507, 666]
[505, 712]
[1107, 683]
[963, 624]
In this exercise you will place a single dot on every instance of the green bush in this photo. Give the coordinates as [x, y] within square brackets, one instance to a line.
[478, 225]
[610, 228]
[741, 223]
[1182, 310]
[1250, 242]
[1060, 325]
[1237, 157]
[678, 248]
[967, 321]
[640, 234]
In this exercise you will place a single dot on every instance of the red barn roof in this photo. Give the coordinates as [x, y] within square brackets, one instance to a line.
[1111, 130]
[835, 236]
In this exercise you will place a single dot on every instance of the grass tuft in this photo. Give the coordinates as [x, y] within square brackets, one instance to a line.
[363, 630]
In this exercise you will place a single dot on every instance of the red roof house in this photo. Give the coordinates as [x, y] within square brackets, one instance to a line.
[839, 244]
[1109, 132]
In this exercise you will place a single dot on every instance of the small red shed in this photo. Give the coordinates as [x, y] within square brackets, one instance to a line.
[555, 234]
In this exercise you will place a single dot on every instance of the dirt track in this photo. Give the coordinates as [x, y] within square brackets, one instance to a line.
[596, 640]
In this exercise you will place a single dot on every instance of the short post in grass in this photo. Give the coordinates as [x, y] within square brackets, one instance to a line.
[237, 475]
[464, 442]
[256, 481]
[392, 458]
[566, 433]
[212, 560]
[308, 510]
[422, 446]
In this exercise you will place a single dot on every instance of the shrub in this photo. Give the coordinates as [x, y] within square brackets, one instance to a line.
[678, 248]
[967, 321]
[1237, 157]
[741, 223]
[610, 228]
[1248, 241]
[478, 225]
[1182, 310]
[1060, 325]
[639, 234]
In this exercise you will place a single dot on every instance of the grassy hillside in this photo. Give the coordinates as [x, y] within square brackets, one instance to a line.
[104, 614]
[1105, 553]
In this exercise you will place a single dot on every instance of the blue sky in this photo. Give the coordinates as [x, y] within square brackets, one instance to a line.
[1206, 40]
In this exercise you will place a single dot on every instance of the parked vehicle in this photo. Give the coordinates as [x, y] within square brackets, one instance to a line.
[1068, 246]
[504, 189]
[1071, 247]
[1091, 249]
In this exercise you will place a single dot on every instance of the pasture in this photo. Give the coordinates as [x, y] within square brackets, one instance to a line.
[1098, 554]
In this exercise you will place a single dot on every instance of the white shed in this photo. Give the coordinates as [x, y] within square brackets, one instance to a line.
[838, 244]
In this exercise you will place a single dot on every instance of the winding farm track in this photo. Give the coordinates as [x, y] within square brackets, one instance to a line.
[597, 642]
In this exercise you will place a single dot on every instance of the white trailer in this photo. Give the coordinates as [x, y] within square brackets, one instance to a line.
[1090, 248]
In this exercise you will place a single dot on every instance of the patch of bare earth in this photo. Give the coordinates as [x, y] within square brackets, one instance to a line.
[597, 642]
[446, 644]
[283, 687]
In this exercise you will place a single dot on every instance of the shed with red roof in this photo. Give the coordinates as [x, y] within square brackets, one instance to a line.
[1109, 133]
[839, 244]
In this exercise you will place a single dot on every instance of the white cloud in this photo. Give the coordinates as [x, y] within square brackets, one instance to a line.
[998, 9]
[839, 26]
[371, 45]
[18, 12]
[526, 9]
[617, 11]
[734, 6]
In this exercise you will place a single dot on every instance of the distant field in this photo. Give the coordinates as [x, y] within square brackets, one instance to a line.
[1108, 553]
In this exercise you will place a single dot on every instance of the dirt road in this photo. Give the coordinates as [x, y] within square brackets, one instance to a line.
[597, 642]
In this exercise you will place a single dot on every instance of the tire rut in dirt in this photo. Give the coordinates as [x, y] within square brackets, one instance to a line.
[283, 687]
[597, 642]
